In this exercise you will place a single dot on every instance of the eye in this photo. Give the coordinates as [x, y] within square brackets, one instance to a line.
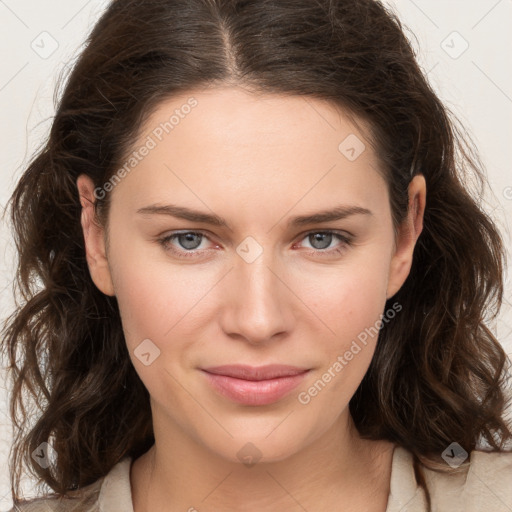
[189, 242]
[321, 240]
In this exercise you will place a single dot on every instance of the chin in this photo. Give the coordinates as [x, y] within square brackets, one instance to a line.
[260, 448]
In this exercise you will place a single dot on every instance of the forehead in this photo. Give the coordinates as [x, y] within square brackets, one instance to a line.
[235, 113]
[232, 143]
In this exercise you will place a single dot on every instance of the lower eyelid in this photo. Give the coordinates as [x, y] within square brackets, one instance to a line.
[343, 239]
[166, 241]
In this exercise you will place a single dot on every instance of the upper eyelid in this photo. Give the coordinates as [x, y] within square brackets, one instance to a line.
[300, 236]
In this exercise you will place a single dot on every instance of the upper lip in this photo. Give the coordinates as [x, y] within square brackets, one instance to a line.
[246, 372]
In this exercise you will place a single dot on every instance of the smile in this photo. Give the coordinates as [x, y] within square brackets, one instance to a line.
[249, 386]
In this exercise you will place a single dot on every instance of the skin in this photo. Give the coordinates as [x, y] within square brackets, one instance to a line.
[291, 305]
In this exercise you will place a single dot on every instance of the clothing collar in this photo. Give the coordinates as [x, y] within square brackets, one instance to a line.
[116, 491]
[403, 488]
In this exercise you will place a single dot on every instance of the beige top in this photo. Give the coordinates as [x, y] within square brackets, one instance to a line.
[484, 486]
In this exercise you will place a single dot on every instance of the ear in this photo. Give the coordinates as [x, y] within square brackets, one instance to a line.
[407, 235]
[94, 238]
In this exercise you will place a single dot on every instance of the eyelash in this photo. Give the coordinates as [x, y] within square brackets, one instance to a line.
[346, 242]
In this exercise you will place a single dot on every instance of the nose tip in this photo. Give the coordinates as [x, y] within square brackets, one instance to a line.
[256, 308]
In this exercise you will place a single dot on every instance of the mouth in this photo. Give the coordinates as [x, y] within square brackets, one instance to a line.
[250, 385]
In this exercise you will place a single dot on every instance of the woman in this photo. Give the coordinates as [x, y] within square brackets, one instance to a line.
[262, 279]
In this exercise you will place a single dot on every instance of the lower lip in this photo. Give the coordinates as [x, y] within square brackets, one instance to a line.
[250, 392]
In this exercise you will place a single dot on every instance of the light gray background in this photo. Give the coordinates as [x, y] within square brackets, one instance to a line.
[39, 38]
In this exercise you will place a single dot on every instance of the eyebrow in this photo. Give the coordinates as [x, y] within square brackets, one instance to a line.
[181, 212]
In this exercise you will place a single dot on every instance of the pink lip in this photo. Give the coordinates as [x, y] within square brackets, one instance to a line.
[255, 385]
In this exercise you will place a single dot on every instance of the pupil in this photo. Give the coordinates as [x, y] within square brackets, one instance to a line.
[317, 237]
[189, 240]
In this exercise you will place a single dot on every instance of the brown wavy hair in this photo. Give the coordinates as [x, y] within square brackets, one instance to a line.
[438, 374]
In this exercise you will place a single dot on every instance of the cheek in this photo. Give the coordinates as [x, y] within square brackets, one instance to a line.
[351, 305]
[348, 299]
[152, 297]
[155, 307]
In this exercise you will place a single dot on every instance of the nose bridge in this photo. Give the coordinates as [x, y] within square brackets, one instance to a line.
[253, 270]
[258, 309]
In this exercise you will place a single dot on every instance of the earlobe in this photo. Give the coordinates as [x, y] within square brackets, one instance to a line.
[94, 238]
[408, 234]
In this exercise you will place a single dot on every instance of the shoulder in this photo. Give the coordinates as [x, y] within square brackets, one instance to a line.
[84, 500]
[111, 492]
[484, 482]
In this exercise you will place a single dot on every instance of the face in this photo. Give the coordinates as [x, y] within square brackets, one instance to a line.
[259, 286]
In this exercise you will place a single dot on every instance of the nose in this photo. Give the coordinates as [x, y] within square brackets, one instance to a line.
[259, 304]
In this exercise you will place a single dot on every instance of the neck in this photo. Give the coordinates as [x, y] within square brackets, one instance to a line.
[178, 473]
